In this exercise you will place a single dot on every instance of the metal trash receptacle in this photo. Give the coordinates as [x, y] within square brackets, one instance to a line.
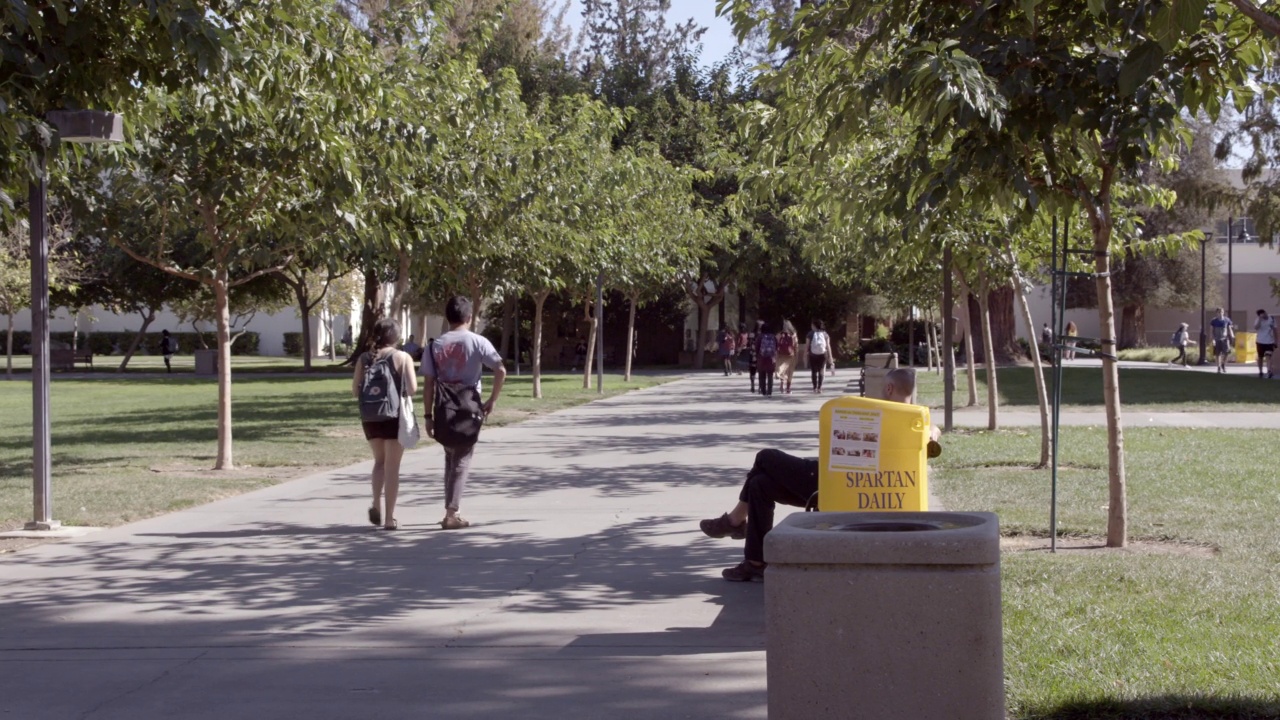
[885, 616]
[206, 362]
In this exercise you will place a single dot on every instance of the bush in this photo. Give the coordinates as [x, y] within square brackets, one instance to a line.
[293, 344]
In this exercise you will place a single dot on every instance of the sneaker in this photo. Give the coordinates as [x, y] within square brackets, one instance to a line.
[744, 572]
[722, 527]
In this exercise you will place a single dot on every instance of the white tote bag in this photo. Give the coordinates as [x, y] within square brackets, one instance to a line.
[409, 432]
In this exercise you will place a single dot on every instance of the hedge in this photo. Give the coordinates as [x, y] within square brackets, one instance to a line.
[106, 343]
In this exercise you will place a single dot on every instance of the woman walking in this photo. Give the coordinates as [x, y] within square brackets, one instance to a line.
[1179, 341]
[1072, 333]
[819, 350]
[787, 344]
[377, 371]
[725, 343]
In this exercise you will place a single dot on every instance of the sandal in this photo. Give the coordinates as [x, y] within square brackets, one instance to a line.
[454, 522]
[393, 525]
[375, 515]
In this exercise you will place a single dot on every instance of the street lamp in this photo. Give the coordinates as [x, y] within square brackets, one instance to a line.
[1202, 361]
[79, 126]
[1244, 234]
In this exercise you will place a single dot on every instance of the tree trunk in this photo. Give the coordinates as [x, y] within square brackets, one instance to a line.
[590, 316]
[75, 329]
[988, 347]
[370, 311]
[631, 338]
[970, 360]
[1118, 511]
[223, 310]
[304, 309]
[1004, 332]
[476, 300]
[147, 318]
[8, 350]
[402, 286]
[1133, 326]
[1042, 393]
[539, 300]
[508, 324]
[911, 338]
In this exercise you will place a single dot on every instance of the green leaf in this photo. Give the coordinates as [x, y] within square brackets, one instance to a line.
[1096, 7]
[1141, 64]
[1189, 14]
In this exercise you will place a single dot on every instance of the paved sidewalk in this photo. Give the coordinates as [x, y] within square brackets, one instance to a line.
[584, 590]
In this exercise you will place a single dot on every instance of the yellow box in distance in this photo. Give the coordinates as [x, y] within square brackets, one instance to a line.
[873, 456]
[1246, 347]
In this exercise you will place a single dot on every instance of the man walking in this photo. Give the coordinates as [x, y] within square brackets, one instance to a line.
[457, 358]
[1265, 326]
[1224, 338]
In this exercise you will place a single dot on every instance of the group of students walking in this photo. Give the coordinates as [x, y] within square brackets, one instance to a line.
[773, 355]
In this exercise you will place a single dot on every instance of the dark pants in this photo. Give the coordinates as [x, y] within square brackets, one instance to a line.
[751, 370]
[457, 466]
[817, 368]
[776, 477]
[1182, 355]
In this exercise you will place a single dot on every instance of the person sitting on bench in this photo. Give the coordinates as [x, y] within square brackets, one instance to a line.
[778, 477]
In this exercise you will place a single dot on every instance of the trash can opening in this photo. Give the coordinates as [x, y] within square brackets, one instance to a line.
[885, 526]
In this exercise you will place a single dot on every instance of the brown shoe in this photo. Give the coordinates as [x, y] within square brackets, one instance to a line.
[722, 527]
[454, 522]
[744, 571]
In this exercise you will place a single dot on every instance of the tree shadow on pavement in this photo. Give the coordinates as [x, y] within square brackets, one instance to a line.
[1163, 707]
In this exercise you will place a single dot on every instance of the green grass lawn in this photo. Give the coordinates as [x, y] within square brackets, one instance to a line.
[1189, 632]
[1142, 389]
[130, 448]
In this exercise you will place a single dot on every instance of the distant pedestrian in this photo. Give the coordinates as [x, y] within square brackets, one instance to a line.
[412, 347]
[766, 358]
[743, 342]
[1072, 333]
[1224, 338]
[168, 348]
[455, 361]
[787, 346]
[752, 358]
[579, 355]
[1179, 342]
[1265, 326]
[379, 372]
[725, 345]
[819, 353]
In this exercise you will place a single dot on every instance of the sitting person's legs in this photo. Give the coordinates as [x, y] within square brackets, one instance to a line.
[776, 477]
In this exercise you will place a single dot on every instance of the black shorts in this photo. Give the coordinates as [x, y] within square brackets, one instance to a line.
[1222, 347]
[1264, 348]
[382, 429]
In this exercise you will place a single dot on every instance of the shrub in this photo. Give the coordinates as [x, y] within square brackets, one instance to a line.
[293, 344]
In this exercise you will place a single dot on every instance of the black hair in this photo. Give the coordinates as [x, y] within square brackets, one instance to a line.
[819, 325]
[385, 333]
[742, 327]
[164, 333]
[457, 310]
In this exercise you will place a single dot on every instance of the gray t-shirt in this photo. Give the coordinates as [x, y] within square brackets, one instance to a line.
[458, 357]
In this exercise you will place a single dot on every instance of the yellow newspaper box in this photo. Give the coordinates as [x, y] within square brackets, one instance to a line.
[1246, 347]
[873, 455]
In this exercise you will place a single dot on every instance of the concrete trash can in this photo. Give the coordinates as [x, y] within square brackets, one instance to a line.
[884, 616]
[206, 362]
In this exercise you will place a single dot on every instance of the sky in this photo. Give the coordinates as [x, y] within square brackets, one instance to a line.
[717, 42]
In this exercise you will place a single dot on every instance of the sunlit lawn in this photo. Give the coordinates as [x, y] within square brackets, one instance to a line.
[130, 448]
[1144, 389]
[1193, 632]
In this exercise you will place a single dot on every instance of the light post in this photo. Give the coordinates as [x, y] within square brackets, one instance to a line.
[1202, 360]
[80, 126]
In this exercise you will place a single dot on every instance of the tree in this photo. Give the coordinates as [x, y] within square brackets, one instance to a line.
[1040, 103]
[63, 54]
[244, 163]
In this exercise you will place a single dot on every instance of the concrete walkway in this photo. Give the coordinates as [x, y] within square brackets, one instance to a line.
[584, 590]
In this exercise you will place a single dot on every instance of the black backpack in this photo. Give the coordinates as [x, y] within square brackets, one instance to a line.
[457, 413]
[380, 391]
